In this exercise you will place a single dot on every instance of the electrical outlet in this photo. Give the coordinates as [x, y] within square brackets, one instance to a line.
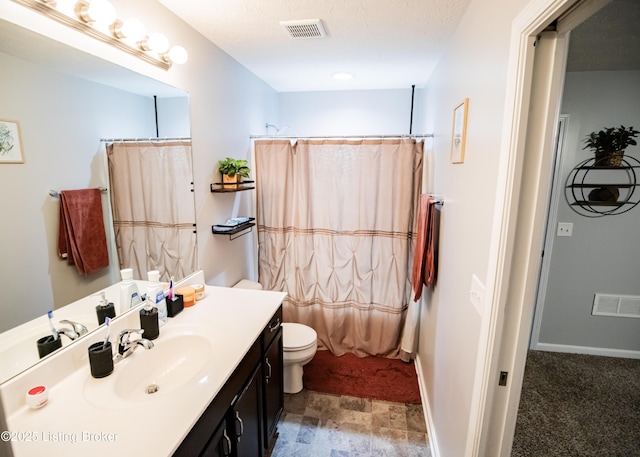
[565, 229]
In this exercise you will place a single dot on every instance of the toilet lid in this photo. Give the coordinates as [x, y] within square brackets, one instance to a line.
[297, 336]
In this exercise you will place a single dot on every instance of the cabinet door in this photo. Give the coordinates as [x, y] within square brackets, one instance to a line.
[273, 391]
[246, 416]
[220, 444]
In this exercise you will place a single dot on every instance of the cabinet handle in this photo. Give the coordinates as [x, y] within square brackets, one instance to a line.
[241, 426]
[227, 441]
[266, 360]
[274, 326]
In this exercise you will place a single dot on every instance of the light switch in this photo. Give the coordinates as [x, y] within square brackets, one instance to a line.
[476, 294]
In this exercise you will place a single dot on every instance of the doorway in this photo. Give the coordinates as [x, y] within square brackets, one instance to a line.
[601, 90]
[569, 401]
[539, 46]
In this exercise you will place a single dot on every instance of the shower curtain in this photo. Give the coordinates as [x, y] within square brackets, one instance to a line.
[153, 207]
[335, 226]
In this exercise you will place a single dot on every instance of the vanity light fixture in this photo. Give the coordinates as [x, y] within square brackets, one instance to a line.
[130, 29]
[98, 19]
[99, 12]
[156, 42]
[177, 55]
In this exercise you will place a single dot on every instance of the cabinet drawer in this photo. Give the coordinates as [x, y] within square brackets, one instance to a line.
[271, 330]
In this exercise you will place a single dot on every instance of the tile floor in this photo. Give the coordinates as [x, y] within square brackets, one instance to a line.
[323, 425]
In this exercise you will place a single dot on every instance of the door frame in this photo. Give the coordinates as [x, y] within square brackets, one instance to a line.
[519, 221]
[549, 235]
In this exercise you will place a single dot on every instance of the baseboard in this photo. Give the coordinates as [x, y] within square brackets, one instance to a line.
[433, 442]
[549, 347]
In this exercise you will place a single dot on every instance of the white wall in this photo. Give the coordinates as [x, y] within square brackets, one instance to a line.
[602, 255]
[365, 112]
[475, 67]
[62, 119]
[173, 117]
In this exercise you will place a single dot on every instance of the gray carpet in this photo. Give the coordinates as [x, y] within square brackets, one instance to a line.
[578, 405]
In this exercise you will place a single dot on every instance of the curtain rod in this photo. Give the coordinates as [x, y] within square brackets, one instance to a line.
[329, 137]
[143, 140]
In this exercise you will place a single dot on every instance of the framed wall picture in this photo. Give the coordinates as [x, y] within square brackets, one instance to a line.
[459, 135]
[10, 142]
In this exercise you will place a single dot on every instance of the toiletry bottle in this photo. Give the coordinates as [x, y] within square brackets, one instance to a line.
[105, 309]
[149, 317]
[155, 289]
[129, 293]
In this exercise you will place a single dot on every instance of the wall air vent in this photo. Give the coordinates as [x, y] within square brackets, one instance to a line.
[616, 305]
[308, 28]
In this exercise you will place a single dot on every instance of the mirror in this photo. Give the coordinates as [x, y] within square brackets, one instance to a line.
[63, 101]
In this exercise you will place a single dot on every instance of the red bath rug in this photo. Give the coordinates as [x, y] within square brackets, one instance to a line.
[367, 377]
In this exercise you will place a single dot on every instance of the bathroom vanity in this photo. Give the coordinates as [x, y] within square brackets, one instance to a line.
[247, 408]
[217, 367]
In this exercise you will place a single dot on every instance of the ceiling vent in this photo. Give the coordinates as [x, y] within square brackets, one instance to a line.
[308, 28]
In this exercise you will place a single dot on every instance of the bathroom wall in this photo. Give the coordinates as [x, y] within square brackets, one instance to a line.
[474, 66]
[173, 117]
[61, 120]
[348, 112]
[602, 255]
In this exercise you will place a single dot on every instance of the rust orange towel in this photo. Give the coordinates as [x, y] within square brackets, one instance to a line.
[425, 259]
[81, 235]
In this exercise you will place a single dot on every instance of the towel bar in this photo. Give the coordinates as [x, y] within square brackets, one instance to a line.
[56, 194]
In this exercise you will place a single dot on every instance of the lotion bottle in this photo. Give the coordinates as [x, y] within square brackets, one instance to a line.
[129, 293]
[155, 289]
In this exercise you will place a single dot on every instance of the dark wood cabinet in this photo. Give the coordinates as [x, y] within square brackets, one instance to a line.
[246, 416]
[220, 443]
[241, 420]
[273, 393]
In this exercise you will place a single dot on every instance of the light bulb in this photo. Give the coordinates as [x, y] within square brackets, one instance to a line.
[157, 42]
[177, 55]
[99, 11]
[132, 29]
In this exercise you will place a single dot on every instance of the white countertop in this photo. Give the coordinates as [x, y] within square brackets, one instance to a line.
[72, 425]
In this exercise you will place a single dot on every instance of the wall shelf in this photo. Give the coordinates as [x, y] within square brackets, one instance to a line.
[596, 191]
[240, 230]
[219, 187]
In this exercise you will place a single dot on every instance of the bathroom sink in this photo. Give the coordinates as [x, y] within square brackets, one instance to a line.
[175, 362]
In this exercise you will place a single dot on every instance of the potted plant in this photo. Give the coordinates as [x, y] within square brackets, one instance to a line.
[609, 144]
[233, 170]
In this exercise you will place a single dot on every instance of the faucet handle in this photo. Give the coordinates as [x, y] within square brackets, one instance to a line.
[123, 338]
[76, 326]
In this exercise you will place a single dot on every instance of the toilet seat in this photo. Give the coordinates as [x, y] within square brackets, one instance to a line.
[297, 337]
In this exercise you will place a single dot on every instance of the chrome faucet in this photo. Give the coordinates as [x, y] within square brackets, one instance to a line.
[76, 330]
[126, 345]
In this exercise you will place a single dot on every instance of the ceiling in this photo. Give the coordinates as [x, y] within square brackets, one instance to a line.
[386, 44]
[608, 40]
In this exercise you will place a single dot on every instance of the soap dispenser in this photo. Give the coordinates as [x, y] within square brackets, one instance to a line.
[105, 309]
[149, 317]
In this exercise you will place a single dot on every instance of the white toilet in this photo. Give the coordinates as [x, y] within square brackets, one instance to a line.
[299, 343]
